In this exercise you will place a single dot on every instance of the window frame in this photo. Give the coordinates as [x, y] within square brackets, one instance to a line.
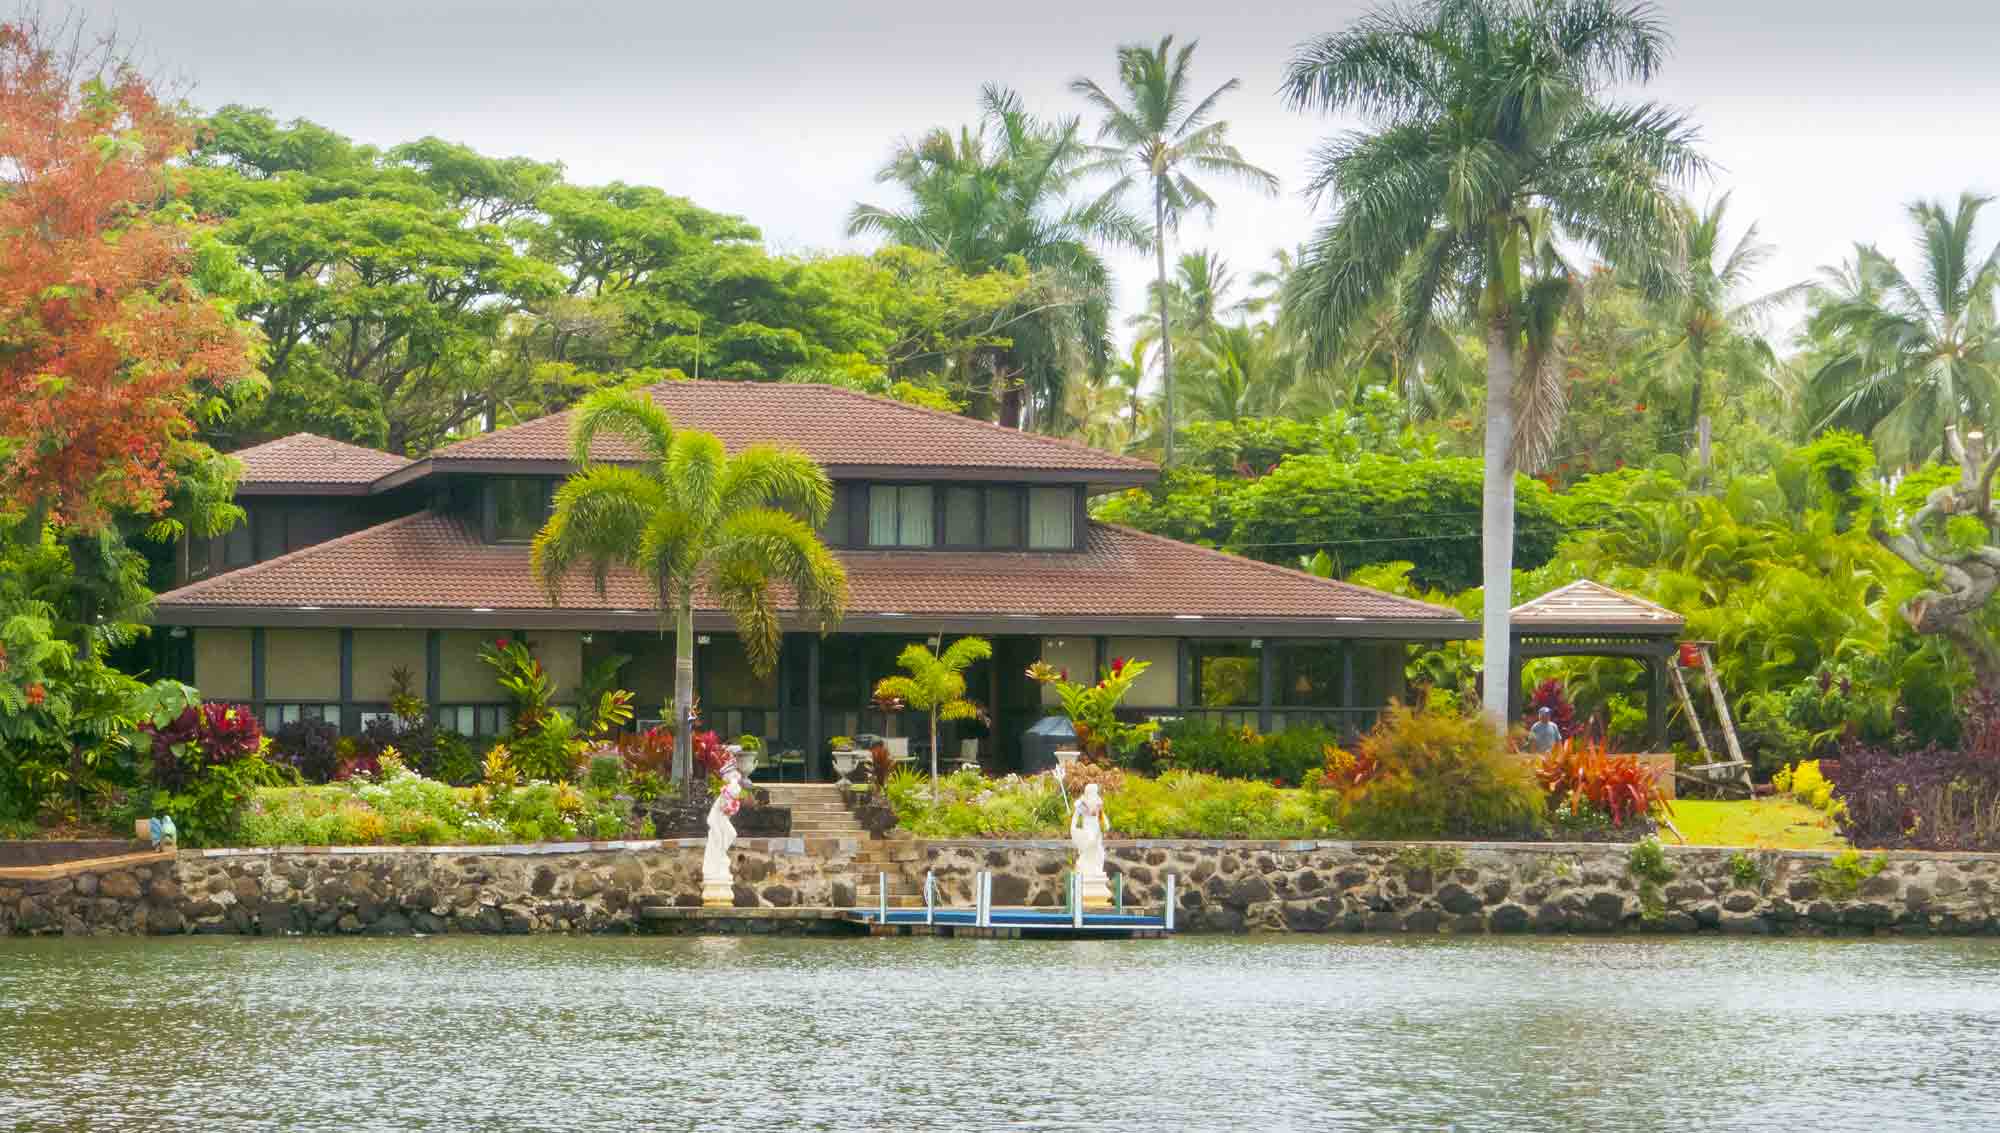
[489, 507]
[859, 494]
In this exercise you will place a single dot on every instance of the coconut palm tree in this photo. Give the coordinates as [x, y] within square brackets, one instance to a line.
[691, 518]
[1239, 371]
[1001, 191]
[1159, 136]
[1710, 325]
[935, 684]
[1906, 358]
[1195, 298]
[1491, 138]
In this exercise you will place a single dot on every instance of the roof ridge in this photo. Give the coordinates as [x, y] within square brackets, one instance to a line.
[1632, 599]
[1061, 442]
[1289, 572]
[319, 438]
[240, 573]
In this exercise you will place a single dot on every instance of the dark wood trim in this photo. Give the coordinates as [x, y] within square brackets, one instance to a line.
[306, 488]
[350, 721]
[1267, 683]
[433, 669]
[815, 724]
[257, 670]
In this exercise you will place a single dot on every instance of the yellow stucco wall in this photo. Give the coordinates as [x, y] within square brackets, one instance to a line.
[1077, 654]
[379, 651]
[302, 664]
[222, 663]
[1158, 686]
[462, 675]
[561, 655]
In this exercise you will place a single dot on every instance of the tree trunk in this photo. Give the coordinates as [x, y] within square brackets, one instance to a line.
[1496, 518]
[684, 692]
[934, 755]
[1166, 330]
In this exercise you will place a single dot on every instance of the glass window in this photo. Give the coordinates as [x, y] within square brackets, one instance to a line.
[270, 529]
[961, 517]
[834, 531]
[900, 515]
[1003, 517]
[1051, 518]
[521, 506]
[236, 545]
[1309, 675]
[201, 552]
[1226, 673]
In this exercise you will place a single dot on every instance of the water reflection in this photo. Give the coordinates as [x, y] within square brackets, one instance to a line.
[1195, 1033]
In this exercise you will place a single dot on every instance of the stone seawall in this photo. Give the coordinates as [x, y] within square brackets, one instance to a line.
[1321, 886]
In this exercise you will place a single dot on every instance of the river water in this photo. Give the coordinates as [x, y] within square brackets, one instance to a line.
[1194, 1033]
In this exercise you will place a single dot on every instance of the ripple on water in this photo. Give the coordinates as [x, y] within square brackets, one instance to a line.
[1195, 1033]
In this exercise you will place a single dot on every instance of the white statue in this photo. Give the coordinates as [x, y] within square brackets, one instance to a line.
[717, 886]
[1088, 825]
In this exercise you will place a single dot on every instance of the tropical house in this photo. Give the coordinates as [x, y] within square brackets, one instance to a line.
[356, 565]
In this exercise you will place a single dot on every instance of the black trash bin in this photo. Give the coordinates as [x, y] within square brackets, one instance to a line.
[1041, 742]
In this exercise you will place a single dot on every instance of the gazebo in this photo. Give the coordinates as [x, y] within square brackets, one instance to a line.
[1587, 619]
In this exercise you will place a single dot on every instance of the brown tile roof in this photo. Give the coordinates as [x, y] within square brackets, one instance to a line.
[839, 428]
[306, 460]
[429, 562]
[1584, 604]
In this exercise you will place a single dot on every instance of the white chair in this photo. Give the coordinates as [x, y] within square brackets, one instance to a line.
[899, 748]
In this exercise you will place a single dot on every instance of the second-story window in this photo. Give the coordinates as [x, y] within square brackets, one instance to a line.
[1051, 518]
[520, 507]
[900, 515]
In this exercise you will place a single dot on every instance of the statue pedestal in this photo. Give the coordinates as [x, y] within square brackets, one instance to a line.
[1096, 891]
[717, 894]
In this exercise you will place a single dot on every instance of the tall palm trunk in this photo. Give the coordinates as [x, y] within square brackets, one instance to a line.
[934, 754]
[1166, 330]
[684, 692]
[1496, 517]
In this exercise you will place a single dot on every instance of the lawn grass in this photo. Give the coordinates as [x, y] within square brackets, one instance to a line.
[1775, 823]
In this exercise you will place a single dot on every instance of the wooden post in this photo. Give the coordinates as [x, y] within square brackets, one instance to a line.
[1687, 706]
[1656, 703]
[1170, 902]
[1721, 706]
[930, 908]
[882, 898]
[1075, 900]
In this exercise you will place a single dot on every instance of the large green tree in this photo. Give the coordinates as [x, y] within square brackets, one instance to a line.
[1158, 140]
[694, 520]
[1905, 357]
[1492, 136]
[1001, 193]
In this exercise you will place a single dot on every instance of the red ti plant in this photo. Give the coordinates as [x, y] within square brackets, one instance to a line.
[1586, 774]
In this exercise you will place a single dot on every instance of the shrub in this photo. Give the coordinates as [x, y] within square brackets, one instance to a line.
[1177, 804]
[1934, 797]
[650, 752]
[1841, 878]
[1240, 752]
[1647, 865]
[404, 807]
[607, 771]
[551, 751]
[1744, 871]
[1584, 777]
[309, 747]
[206, 763]
[1434, 775]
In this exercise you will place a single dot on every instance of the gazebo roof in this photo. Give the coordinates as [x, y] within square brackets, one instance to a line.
[1588, 607]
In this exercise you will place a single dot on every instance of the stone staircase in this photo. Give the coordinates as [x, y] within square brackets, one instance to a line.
[818, 812]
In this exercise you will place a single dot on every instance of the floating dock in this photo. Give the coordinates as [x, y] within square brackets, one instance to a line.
[1075, 922]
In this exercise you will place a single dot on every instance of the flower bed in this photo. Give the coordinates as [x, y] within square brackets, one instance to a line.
[404, 808]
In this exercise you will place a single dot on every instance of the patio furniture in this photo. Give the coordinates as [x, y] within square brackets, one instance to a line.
[899, 748]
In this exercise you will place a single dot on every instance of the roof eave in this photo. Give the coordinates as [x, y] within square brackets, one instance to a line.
[197, 614]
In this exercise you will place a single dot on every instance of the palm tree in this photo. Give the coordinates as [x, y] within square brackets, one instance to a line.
[1709, 321]
[1907, 358]
[691, 518]
[999, 192]
[936, 685]
[1492, 137]
[1195, 298]
[1159, 137]
[1239, 371]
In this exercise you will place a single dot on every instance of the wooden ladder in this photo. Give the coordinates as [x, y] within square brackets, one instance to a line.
[1727, 776]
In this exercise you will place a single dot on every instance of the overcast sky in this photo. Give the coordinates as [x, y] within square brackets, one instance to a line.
[1825, 116]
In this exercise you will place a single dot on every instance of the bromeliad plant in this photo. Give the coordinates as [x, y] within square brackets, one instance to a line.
[936, 685]
[1093, 709]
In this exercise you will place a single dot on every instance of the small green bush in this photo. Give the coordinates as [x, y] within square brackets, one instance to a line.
[1284, 757]
[1841, 878]
[1744, 871]
[405, 808]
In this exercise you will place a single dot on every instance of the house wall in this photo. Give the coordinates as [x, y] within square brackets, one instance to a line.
[1077, 654]
[377, 652]
[222, 663]
[1159, 686]
[462, 675]
[302, 664]
[561, 655]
